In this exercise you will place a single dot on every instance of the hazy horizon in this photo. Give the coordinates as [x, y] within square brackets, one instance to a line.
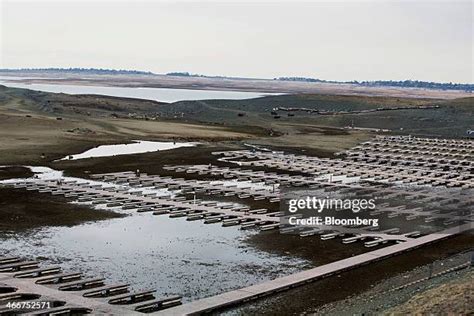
[212, 76]
[341, 41]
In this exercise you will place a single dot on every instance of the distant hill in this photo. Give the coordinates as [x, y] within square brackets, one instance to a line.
[377, 83]
[391, 83]
[91, 71]
[188, 74]
[467, 87]
[420, 84]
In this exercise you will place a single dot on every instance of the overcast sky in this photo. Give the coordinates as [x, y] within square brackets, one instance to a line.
[337, 40]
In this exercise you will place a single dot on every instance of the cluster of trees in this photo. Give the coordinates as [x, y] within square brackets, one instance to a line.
[391, 83]
[188, 74]
[180, 74]
[303, 79]
[420, 84]
[92, 71]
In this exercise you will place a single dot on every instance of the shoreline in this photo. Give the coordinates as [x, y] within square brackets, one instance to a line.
[242, 85]
[394, 294]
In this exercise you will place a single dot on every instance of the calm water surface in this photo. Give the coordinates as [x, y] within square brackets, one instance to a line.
[137, 147]
[157, 94]
[174, 256]
[171, 255]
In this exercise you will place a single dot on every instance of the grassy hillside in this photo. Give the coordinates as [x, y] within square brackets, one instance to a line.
[451, 119]
[55, 124]
[37, 127]
[88, 105]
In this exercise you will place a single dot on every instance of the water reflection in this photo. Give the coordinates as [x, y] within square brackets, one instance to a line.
[157, 94]
[174, 256]
[137, 147]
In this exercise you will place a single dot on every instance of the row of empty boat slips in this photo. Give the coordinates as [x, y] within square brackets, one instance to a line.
[439, 147]
[399, 217]
[28, 287]
[333, 179]
[432, 142]
[452, 197]
[241, 189]
[105, 195]
[445, 206]
[257, 218]
[269, 178]
[348, 170]
[433, 156]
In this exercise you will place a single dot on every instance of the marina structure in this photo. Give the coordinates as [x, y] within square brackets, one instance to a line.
[427, 184]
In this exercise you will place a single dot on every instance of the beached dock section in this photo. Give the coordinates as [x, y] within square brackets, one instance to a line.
[28, 287]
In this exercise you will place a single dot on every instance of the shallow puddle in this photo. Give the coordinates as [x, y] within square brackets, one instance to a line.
[137, 147]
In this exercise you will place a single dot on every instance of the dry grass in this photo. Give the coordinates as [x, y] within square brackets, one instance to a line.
[24, 139]
[453, 298]
[30, 127]
[176, 130]
[316, 143]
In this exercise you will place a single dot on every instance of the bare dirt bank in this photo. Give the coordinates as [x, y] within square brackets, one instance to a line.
[21, 210]
[341, 289]
[15, 172]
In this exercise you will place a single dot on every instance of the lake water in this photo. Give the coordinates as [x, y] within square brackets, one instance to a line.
[157, 94]
[173, 256]
[137, 147]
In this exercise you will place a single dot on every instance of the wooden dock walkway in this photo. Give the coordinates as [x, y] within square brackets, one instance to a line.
[113, 194]
[69, 293]
[137, 201]
[284, 283]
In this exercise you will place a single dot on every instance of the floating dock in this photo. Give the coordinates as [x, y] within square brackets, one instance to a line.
[425, 173]
[253, 292]
[59, 293]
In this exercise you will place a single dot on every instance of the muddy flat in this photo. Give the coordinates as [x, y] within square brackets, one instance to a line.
[233, 84]
[24, 210]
